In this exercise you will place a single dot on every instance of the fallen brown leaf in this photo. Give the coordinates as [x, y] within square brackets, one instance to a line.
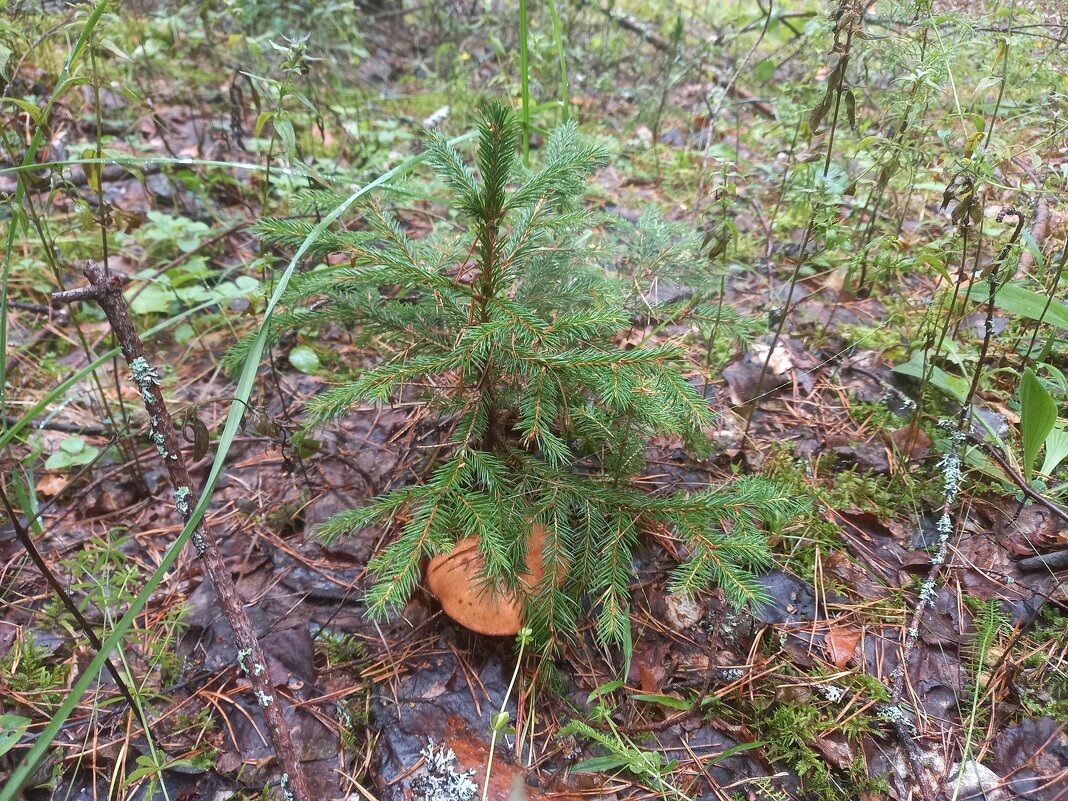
[841, 643]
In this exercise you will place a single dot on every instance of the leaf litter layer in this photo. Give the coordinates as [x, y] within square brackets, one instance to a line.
[827, 269]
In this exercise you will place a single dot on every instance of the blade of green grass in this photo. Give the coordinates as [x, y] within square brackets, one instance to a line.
[136, 161]
[242, 394]
[565, 83]
[524, 81]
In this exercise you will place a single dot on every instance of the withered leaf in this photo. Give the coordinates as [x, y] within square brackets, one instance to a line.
[194, 431]
[841, 642]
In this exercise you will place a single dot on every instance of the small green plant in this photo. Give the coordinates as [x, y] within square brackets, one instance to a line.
[151, 767]
[989, 622]
[506, 330]
[623, 753]
[102, 577]
[190, 278]
[72, 451]
[1043, 686]
[501, 723]
[339, 648]
[166, 235]
[28, 670]
[1040, 426]
[791, 730]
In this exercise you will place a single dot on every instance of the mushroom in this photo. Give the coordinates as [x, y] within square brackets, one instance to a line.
[457, 580]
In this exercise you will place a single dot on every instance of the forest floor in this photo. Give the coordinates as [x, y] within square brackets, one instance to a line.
[707, 116]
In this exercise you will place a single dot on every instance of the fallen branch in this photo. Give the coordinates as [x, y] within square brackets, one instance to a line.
[1044, 561]
[106, 291]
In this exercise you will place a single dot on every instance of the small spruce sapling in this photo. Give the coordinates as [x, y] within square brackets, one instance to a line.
[506, 329]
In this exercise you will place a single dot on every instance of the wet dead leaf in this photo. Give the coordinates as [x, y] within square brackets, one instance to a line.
[841, 643]
[51, 484]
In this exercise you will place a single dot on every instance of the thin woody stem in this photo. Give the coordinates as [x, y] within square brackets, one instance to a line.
[107, 293]
[22, 533]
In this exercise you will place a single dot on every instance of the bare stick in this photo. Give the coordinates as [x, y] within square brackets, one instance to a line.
[1045, 561]
[1019, 480]
[106, 291]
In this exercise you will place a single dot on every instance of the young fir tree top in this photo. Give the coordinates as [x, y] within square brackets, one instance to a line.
[506, 329]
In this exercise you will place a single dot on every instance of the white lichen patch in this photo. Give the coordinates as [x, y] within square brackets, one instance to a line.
[831, 692]
[438, 779]
[145, 376]
[729, 675]
[951, 464]
[263, 698]
[181, 501]
[160, 442]
[897, 715]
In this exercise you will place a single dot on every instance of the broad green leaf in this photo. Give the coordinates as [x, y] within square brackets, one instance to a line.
[184, 333]
[73, 445]
[304, 359]
[72, 451]
[977, 460]
[1038, 413]
[954, 386]
[764, 70]
[288, 137]
[58, 461]
[985, 85]
[664, 700]
[12, 727]
[155, 298]
[85, 456]
[1056, 449]
[1027, 303]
